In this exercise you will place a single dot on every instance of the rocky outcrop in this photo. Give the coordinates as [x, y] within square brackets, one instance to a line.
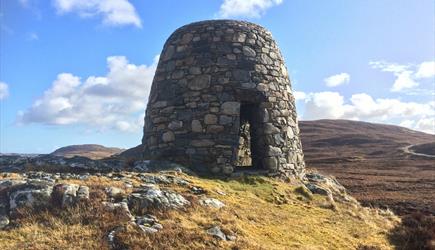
[151, 197]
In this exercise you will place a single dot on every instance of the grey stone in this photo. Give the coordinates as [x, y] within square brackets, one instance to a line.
[225, 119]
[120, 209]
[230, 108]
[215, 129]
[169, 52]
[31, 194]
[241, 75]
[168, 136]
[4, 221]
[114, 192]
[240, 37]
[316, 189]
[174, 125]
[248, 51]
[70, 194]
[271, 163]
[142, 200]
[199, 82]
[216, 232]
[269, 128]
[211, 202]
[186, 38]
[202, 143]
[196, 126]
[210, 119]
[195, 70]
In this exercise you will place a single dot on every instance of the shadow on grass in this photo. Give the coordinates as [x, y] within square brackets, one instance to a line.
[416, 232]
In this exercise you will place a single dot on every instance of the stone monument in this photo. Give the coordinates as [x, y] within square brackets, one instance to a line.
[221, 101]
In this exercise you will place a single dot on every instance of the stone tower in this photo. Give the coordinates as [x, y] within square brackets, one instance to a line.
[221, 100]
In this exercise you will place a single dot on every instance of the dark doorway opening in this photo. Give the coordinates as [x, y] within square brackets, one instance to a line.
[247, 150]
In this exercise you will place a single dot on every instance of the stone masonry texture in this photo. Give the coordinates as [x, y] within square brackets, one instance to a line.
[212, 78]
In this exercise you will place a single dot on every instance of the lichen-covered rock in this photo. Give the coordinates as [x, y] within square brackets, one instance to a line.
[211, 202]
[33, 193]
[115, 193]
[148, 223]
[217, 232]
[4, 221]
[151, 197]
[70, 194]
[120, 209]
[327, 186]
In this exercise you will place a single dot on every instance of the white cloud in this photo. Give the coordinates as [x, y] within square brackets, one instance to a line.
[332, 105]
[4, 90]
[336, 80]
[113, 12]
[246, 8]
[407, 76]
[299, 95]
[426, 70]
[24, 3]
[113, 101]
[32, 36]
[426, 125]
[324, 105]
[407, 123]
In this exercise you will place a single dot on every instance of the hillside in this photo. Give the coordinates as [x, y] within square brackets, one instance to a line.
[91, 151]
[371, 161]
[172, 210]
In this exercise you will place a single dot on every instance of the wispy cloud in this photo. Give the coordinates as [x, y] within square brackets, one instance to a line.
[32, 36]
[246, 8]
[4, 90]
[113, 101]
[113, 12]
[407, 76]
[337, 80]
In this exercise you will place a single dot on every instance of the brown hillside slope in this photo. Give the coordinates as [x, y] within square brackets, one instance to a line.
[92, 151]
[370, 160]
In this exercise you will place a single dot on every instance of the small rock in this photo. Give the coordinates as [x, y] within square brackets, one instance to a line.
[114, 192]
[216, 232]
[69, 194]
[168, 136]
[231, 237]
[121, 209]
[211, 202]
[230, 108]
[197, 190]
[4, 221]
[316, 189]
[148, 230]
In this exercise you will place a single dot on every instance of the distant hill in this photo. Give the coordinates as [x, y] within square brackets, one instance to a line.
[92, 151]
[373, 162]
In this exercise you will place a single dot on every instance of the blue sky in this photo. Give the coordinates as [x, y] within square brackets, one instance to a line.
[79, 71]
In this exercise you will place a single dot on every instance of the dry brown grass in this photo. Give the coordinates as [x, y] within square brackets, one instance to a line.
[263, 213]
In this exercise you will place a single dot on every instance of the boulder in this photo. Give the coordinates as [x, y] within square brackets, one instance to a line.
[70, 194]
[120, 209]
[151, 197]
[31, 194]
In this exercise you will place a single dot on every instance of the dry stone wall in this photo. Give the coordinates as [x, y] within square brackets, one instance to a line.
[212, 77]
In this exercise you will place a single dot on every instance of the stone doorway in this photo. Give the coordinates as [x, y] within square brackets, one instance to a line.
[247, 153]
